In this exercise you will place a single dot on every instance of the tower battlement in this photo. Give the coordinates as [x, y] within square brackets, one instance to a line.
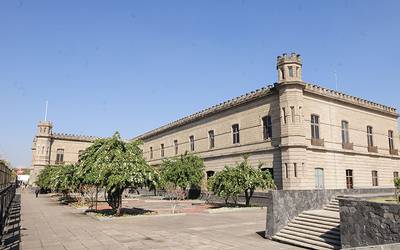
[289, 58]
[289, 67]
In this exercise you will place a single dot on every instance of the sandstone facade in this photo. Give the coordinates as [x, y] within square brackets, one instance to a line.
[308, 136]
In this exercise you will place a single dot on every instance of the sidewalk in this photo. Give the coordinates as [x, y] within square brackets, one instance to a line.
[47, 225]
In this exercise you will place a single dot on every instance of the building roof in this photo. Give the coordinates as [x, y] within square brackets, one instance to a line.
[259, 93]
[73, 137]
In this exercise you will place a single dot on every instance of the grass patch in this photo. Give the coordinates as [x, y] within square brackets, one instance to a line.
[386, 199]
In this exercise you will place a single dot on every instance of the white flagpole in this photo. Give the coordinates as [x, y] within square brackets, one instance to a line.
[45, 114]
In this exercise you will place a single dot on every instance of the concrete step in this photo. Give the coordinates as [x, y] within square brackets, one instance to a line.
[298, 243]
[335, 241]
[317, 217]
[317, 221]
[334, 230]
[313, 224]
[331, 209]
[323, 213]
[332, 206]
[313, 244]
[327, 234]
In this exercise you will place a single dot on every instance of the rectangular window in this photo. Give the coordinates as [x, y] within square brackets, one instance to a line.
[314, 126]
[375, 178]
[176, 146]
[295, 169]
[395, 174]
[151, 152]
[290, 71]
[390, 137]
[162, 150]
[60, 155]
[267, 127]
[345, 132]
[235, 133]
[292, 114]
[284, 115]
[191, 140]
[349, 178]
[370, 136]
[286, 170]
[211, 138]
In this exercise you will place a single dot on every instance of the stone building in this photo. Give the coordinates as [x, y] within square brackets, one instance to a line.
[306, 135]
[55, 148]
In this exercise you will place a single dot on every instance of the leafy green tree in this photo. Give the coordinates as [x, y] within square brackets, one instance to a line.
[230, 182]
[397, 188]
[225, 184]
[64, 179]
[251, 178]
[115, 165]
[183, 172]
[45, 177]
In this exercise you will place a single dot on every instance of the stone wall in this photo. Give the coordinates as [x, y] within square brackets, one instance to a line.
[285, 205]
[365, 223]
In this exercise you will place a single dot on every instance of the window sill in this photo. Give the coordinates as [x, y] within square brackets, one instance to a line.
[373, 149]
[317, 142]
[348, 146]
[394, 151]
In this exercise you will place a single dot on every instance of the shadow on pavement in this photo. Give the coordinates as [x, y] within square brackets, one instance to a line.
[12, 231]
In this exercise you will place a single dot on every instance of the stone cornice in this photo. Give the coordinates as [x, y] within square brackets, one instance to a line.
[329, 93]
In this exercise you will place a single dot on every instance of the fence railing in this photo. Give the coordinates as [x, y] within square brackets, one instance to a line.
[7, 194]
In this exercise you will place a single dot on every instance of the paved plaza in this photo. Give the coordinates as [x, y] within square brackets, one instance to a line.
[45, 224]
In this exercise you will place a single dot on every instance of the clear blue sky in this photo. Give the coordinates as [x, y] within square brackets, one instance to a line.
[135, 65]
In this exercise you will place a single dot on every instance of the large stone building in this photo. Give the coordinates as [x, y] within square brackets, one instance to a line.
[55, 148]
[306, 135]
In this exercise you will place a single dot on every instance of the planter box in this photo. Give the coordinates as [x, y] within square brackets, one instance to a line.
[373, 149]
[348, 146]
[317, 142]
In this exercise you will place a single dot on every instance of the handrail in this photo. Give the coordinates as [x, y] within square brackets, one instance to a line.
[6, 197]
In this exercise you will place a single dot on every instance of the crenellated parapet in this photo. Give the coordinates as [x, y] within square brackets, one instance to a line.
[65, 136]
[316, 89]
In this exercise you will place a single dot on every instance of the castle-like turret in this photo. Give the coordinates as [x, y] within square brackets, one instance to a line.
[41, 147]
[289, 67]
[291, 103]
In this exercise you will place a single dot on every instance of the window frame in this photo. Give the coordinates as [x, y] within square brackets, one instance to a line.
[349, 176]
[391, 141]
[211, 139]
[191, 143]
[151, 153]
[370, 136]
[315, 121]
[345, 132]
[59, 156]
[375, 182]
[176, 148]
[162, 150]
[267, 127]
[235, 133]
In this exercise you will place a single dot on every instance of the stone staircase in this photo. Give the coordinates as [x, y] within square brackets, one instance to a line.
[314, 229]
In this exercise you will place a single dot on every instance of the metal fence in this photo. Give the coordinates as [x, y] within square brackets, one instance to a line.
[7, 192]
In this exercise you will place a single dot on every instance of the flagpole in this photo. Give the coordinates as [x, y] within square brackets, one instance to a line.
[45, 114]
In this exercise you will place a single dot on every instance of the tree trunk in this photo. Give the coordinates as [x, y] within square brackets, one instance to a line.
[119, 198]
[247, 196]
[226, 200]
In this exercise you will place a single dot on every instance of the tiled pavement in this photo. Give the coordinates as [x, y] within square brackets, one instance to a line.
[47, 225]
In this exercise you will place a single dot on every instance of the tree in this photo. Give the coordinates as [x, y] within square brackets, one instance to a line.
[230, 182]
[397, 188]
[64, 179]
[183, 172]
[115, 165]
[225, 184]
[251, 178]
[45, 177]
